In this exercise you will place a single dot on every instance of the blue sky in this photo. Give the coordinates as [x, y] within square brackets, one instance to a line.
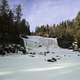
[39, 12]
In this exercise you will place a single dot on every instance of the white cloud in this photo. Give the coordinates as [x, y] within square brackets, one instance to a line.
[39, 12]
[49, 11]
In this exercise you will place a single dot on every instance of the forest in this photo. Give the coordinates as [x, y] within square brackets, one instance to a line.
[12, 26]
[66, 32]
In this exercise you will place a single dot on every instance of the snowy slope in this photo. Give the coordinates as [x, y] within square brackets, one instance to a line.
[26, 67]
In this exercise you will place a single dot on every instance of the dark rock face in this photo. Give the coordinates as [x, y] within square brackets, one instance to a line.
[2, 52]
[33, 53]
[24, 51]
[64, 43]
[6, 50]
[24, 36]
[78, 55]
[52, 60]
[40, 46]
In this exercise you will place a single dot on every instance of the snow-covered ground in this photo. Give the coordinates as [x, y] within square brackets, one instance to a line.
[36, 67]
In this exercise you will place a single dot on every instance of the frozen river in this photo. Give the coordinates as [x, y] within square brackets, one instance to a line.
[26, 67]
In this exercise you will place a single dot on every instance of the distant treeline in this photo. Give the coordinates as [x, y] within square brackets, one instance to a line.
[12, 26]
[66, 32]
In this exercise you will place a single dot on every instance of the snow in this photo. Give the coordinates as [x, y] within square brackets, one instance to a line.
[26, 67]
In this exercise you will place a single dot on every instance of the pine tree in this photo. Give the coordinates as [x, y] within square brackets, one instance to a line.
[4, 11]
[18, 18]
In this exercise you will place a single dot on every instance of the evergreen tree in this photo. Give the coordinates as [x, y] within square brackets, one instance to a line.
[24, 27]
[4, 7]
[4, 10]
[18, 19]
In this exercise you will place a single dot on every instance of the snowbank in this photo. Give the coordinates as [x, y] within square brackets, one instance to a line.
[26, 67]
